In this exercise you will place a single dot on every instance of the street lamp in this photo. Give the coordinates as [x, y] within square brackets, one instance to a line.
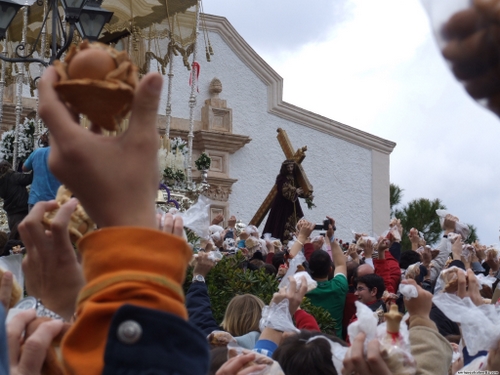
[92, 20]
[8, 10]
[88, 20]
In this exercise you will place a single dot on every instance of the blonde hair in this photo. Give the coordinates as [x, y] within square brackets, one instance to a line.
[242, 315]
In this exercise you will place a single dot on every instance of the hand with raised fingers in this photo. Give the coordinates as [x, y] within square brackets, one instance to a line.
[293, 293]
[203, 265]
[331, 227]
[218, 219]
[239, 365]
[305, 230]
[468, 286]
[29, 359]
[422, 304]
[52, 272]
[356, 362]
[115, 178]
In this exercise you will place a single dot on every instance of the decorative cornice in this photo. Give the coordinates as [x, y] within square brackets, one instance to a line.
[221, 141]
[220, 188]
[275, 102]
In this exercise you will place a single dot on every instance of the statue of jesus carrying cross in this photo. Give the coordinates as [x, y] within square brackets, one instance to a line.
[282, 201]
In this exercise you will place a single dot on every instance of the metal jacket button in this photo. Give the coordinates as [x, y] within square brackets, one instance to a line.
[129, 332]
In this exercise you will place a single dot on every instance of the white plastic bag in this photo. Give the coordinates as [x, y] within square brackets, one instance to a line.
[408, 291]
[480, 325]
[311, 284]
[277, 316]
[196, 217]
[292, 268]
[460, 228]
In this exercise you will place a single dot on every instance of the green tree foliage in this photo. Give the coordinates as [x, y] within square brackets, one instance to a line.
[229, 278]
[473, 234]
[395, 196]
[421, 214]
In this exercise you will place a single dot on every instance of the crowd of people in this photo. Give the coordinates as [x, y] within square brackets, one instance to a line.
[116, 305]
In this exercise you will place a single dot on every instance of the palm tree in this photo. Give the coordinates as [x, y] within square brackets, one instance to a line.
[395, 196]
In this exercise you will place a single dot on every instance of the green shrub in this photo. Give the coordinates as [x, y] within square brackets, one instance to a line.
[228, 279]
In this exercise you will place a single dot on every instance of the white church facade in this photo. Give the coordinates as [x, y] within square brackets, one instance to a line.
[348, 168]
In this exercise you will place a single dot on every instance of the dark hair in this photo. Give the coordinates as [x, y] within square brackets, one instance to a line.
[278, 259]
[218, 356]
[351, 269]
[408, 258]
[270, 269]
[5, 166]
[297, 357]
[320, 264]
[373, 281]
[284, 165]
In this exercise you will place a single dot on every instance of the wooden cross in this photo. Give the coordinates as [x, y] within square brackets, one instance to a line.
[302, 179]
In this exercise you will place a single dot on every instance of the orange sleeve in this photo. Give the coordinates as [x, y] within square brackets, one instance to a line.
[138, 266]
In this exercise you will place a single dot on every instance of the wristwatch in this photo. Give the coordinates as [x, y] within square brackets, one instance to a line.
[33, 303]
[198, 278]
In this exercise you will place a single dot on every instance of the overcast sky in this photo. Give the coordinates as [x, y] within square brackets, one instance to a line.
[374, 65]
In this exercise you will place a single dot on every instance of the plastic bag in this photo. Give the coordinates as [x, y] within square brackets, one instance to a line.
[448, 280]
[366, 322]
[395, 348]
[396, 351]
[196, 217]
[467, 252]
[311, 284]
[215, 255]
[408, 291]
[412, 271]
[13, 263]
[460, 228]
[277, 316]
[486, 280]
[272, 367]
[292, 268]
[480, 325]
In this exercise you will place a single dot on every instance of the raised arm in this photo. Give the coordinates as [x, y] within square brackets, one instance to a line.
[338, 257]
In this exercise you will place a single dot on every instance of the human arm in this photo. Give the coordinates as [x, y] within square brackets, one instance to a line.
[304, 320]
[23, 179]
[52, 272]
[432, 352]
[28, 163]
[414, 239]
[197, 298]
[444, 247]
[304, 233]
[271, 337]
[128, 264]
[338, 258]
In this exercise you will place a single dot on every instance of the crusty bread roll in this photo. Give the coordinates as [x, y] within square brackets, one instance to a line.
[17, 292]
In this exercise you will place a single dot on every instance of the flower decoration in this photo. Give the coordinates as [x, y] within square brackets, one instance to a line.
[203, 162]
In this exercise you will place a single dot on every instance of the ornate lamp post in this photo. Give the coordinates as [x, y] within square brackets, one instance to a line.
[8, 10]
[89, 21]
